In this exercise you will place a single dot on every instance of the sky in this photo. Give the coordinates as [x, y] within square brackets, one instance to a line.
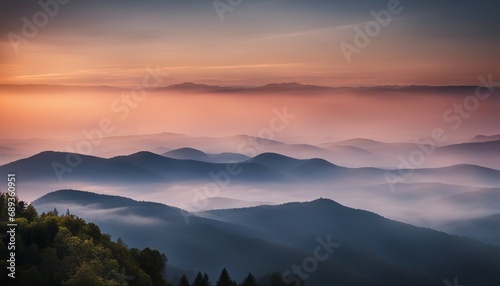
[245, 43]
[255, 42]
[337, 43]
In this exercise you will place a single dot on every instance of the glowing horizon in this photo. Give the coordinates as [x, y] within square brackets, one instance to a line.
[119, 43]
[256, 43]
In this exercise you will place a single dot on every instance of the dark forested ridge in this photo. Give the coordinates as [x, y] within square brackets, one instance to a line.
[63, 249]
[374, 250]
[54, 249]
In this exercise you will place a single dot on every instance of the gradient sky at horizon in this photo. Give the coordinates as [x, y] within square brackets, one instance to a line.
[111, 42]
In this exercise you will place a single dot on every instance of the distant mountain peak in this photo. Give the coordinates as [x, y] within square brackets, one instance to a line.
[285, 84]
[91, 198]
[56, 154]
[272, 156]
[326, 202]
[291, 85]
[187, 150]
[485, 138]
[76, 195]
[142, 153]
[359, 140]
[191, 85]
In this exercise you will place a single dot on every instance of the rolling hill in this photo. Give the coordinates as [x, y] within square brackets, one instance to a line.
[373, 250]
[149, 167]
[197, 155]
[486, 229]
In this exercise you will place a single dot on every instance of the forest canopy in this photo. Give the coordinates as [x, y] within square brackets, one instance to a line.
[53, 249]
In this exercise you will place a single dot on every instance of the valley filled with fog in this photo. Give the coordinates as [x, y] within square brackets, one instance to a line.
[175, 185]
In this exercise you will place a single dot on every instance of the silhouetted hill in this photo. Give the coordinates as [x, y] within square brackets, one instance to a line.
[186, 153]
[141, 167]
[488, 147]
[276, 161]
[45, 166]
[202, 244]
[214, 203]
[485, 138]
[463, 174]
[309, 169]
[290, 87]
[83, 198]
[197, 155]
[149, 167]
[486, 229]
[192, 87]
[478, 153]
[481, 199]
[373, 250]
[271, 87]
[397, 243]
[319, 167]
[121, 204]
[174, 169]
[356, 142]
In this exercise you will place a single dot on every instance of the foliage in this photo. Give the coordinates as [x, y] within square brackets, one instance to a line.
[201, 280]
[184, 281]
[225, 279]
[249, 281]
[65, 250]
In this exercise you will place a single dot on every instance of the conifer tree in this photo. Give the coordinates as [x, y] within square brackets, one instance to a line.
[198, 280]
[206, 280]
[184, 281]
[224, 279]
[249, 280]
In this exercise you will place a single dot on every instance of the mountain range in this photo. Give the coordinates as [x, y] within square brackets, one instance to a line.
[270, 87]
[349, 153]
[197, 155]
[201, 185]
[364, 248]
[267, 167]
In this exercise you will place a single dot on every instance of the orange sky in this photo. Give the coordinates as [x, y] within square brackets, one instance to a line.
[93, 43]
[385, 116]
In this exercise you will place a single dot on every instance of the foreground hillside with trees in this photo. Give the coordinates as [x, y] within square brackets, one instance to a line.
[55, 249]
